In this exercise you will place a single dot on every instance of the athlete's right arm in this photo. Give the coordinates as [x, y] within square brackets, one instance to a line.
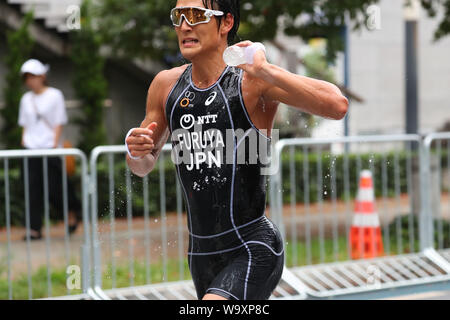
[148, 140]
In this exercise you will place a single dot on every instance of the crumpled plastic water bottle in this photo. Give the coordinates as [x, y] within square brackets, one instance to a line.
[234, 55]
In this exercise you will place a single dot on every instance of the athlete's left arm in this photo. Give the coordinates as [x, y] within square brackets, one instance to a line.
[310, 95]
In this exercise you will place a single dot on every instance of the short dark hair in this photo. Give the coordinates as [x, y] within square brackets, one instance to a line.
[227, 6]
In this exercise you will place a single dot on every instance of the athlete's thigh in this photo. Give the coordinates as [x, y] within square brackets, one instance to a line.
[229, 282]
[265, 271]
[203, 271]
[252, 275]
[210, 296]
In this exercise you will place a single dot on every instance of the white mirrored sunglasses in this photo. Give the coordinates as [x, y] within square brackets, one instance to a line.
[192, 15]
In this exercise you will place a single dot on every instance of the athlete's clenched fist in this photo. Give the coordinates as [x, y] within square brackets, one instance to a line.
[139, 141]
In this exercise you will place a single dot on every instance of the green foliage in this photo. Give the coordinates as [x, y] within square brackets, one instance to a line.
[433, 7]
[16, 194]
[137, 28]
[38, 284]
[19, 47]
[317, 66]
[137, 186]
[323, 189]
[155, 274]
[89, 82]
[404, 233]
[311, 162]
[59, 277]
[400, 236]
[355, 163]
[142, 28]
[305, 19]
[301, 123]
[296, 253]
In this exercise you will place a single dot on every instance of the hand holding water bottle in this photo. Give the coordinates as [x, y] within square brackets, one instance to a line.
[249, 56]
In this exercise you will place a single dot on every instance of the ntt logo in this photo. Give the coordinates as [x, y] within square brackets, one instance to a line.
[187, 121]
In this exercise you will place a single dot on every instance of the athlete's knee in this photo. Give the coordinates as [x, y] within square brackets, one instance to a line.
[211, 296]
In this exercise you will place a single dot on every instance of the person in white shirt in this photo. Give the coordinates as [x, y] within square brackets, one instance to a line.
[42, 115]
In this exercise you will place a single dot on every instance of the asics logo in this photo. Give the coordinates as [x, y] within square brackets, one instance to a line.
[211, 98]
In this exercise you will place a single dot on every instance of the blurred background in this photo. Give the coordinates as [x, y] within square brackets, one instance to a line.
[117, 48]
[388, 57]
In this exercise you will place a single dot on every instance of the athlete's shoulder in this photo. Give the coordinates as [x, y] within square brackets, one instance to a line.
[170, 76]
[163, 83]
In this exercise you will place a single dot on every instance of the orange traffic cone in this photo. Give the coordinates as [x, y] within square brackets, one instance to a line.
[365, 232]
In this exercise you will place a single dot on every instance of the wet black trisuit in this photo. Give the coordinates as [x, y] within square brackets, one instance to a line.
[235, 251]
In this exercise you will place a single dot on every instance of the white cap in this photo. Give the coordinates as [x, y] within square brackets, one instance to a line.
[35, 67]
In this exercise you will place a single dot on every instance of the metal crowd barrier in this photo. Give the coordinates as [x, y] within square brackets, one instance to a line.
[311, 201]
[437, 182]
[159, 238]
[323, 264]
[30, 254]
[327, 194]
[132, 238]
